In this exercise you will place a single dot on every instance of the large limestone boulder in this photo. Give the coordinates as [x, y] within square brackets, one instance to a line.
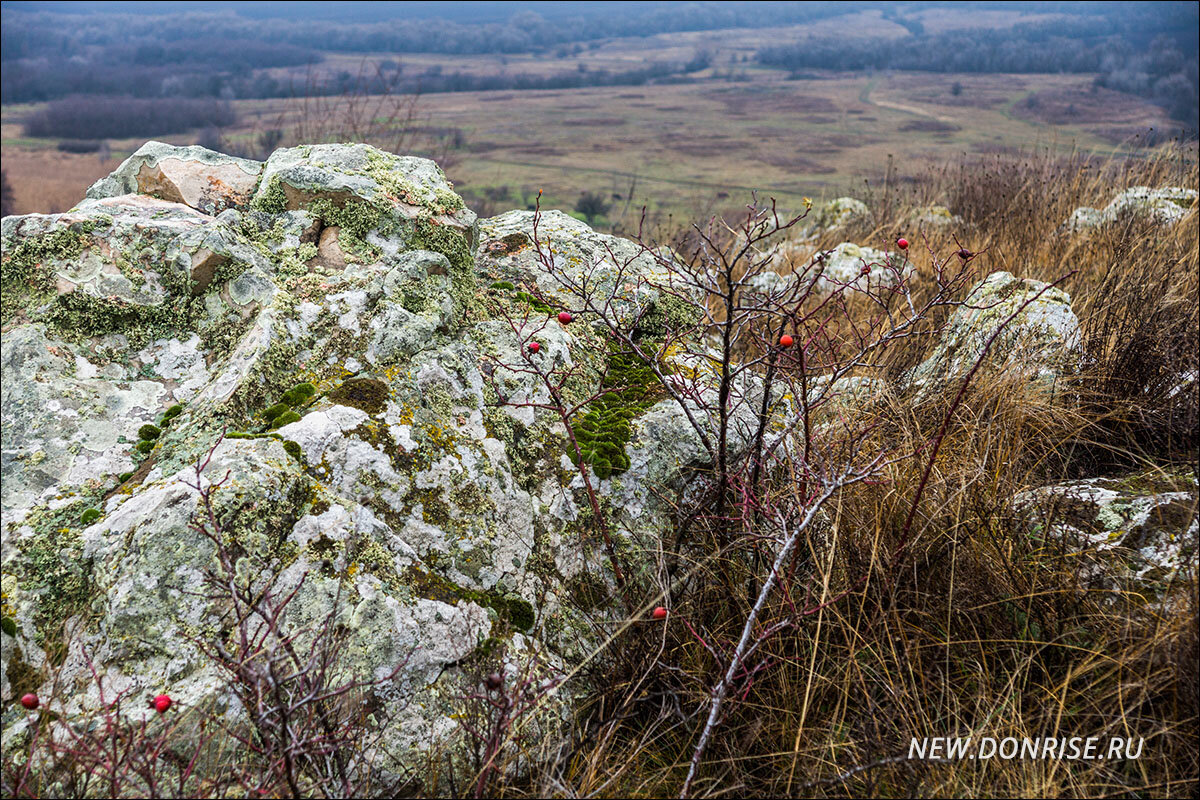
[1041, 340]
[377, 420]
[203, 179]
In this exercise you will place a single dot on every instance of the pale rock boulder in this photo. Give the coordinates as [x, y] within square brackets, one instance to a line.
[848, 266]
[1040, 337]
[203, 179]
[1165, 206]
[609, 265]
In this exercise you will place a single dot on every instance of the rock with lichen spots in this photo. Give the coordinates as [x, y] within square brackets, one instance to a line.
[1137, 530]
[1041, 340]
[1165, 206]
[203, 179]
[580, 256]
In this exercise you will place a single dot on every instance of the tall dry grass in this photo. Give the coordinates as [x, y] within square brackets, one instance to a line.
[971, 627]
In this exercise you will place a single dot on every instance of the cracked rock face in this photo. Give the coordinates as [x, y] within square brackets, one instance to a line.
[332, 311]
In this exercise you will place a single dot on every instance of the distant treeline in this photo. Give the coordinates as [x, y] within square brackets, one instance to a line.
[107, 117]
[1146, 48]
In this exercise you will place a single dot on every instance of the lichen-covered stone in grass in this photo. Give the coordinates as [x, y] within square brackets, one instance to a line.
[1136, 530]
[1042, 339]
[1164, 205]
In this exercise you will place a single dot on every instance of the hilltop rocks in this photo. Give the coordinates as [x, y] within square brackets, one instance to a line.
[1164, 206]
[382, 437]
[1042, 339]
[200, 178]
[837, 213]
[848, 265]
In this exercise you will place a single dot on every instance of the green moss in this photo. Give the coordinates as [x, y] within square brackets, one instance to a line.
[144, 446]
[89, 516]
[630, 387]
[367, 394]
[293, 450]
[24, 277]
[669, 314]
[286, 418]
[9, 626]
[503, 286]
[149, 432]
[455, 246]
[273, 200]
[171, 413]
[275, 411]
[124, 476]
[515, 611]
[298, 394]
[53, 567]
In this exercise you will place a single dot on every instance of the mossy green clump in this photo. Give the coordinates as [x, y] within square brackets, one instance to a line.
[293, 449]
[504, 286]
[287, 418]
[669, 314]
[367, 394]
[533, 302]
[89, 516]
[630, 387]
[124, 476]
[22, 270]
[54, 569]
[144, 446]
[149, 432]
[298, 394]
[8, 625]
[274, 412]
[454, 244]
[171, 413]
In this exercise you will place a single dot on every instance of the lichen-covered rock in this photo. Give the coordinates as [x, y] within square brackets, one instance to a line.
[934, 216]
[1166, 205]
[1041, 340]
[1140, 528]
[580, 255]
[382, 434]
[207, 181]
[837, 213]
[848, 266]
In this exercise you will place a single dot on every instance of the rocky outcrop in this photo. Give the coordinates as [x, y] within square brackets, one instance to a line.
[1137, 531]
[358, 337]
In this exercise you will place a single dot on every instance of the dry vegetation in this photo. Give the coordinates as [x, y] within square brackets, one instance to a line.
[963, 624]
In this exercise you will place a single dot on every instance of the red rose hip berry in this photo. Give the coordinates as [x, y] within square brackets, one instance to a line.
[534, 347]
[564, 317]
[785, 341]
[30, 701]
[659, 613]
[902, 243]
[161, 703]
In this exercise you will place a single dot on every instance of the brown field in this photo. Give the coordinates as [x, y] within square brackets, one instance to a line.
[677, 147]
